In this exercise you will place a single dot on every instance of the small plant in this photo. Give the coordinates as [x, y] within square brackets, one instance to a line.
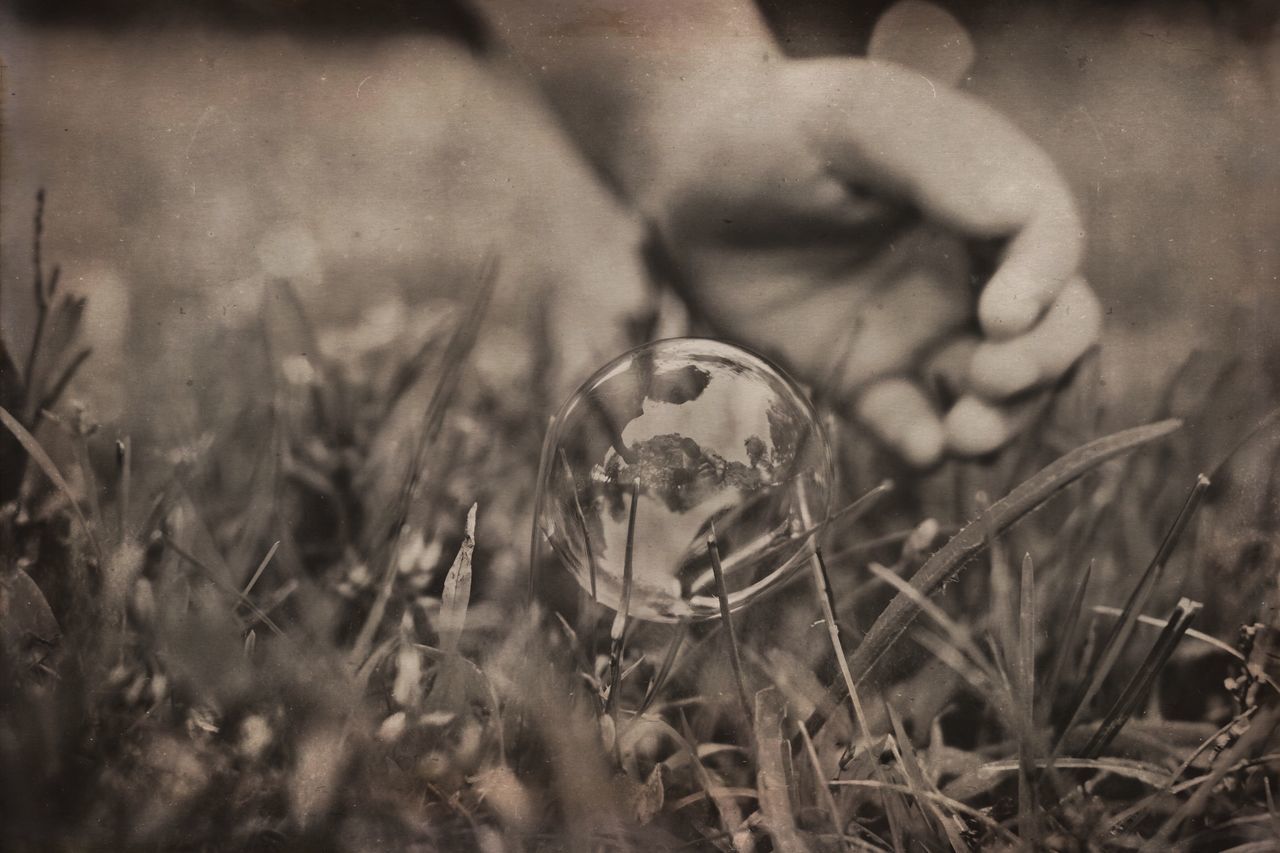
[53, 359]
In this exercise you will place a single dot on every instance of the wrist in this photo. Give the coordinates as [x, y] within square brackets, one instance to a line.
[628, 78]
[681, 121]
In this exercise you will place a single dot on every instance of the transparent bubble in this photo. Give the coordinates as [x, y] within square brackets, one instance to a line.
[684, 435]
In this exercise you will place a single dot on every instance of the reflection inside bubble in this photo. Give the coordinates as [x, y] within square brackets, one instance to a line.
[702, 436]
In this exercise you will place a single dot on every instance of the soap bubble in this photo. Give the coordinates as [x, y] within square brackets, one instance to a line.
[701, 435]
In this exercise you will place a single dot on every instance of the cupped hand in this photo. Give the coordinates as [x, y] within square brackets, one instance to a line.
[827, 214]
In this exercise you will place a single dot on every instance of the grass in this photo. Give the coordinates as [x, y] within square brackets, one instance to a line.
[309, 626]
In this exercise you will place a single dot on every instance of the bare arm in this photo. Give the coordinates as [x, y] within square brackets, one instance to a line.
[620, 74]
[821, 210]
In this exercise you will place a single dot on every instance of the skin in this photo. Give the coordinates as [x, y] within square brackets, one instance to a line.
[825, 211]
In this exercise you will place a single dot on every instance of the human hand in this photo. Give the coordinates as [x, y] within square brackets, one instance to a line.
[825, 211]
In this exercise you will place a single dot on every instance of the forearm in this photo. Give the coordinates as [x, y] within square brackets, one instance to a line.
[624, 76]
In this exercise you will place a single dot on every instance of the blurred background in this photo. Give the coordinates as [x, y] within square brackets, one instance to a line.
[371, 153]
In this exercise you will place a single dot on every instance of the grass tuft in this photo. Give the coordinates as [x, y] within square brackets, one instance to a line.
[274, 630]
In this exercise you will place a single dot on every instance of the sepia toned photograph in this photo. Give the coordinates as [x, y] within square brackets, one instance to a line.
[753, 426]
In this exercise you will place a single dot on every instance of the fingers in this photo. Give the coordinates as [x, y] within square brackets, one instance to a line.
[981, 422]
[1003, 368]
[946, 372]
[985, 373]
[975, 427]
[962, 163]
[898, 412]
[1041, 259]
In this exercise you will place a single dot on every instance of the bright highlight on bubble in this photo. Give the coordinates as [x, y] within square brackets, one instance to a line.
[703, 438]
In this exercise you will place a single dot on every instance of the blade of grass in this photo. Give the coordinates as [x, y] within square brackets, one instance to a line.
[41, 300]
[1070, 637]
[1002, 596]
[971, 540]
[918, 782]
[1140, 683]
[1028, 825]
[822, 586]
[772, 779]
[37, 453]
[1258, 733]
[536, 533]
[618, 630]
[943, 799]
[1120, 633]
[882, 542]
[91, 481]
[223, 588]
[262, 567]
[454, 602]
[124, 465]
[824, 790]
[55, 392]
[1208, 639]
[784, 538]
[1212, 740]
[957, 635]
[735, 654]
[582, 520]
[822, 590]
[975, 780]
[456, 597]
[826, 601]
[457, 351]
[726, 807]
[668, 663]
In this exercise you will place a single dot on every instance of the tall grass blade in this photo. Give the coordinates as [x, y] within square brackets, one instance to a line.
[727, 809]
[1002, 596]
[222, 587]
[822, 590]
[582, 520]
[262, 567]
[1120, 633]
[447, 692]
[918, 782]
[824, 790]
[536, 533]
[1258, 733]
[59, 386]
[618, 631]
[1028, 825]
[124, 464]
[36, 452]
[664, 669]
[456, 597]
[958, 636]
[1070, 636]
[1140, 683]
[955, 805]
[456, 354]
[735, 653]
[773, 779]
[1199, 636]
[971, 541]
[1211, 741]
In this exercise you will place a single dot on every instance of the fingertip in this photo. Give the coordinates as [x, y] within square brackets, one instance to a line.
[997, 372]
[898, 412]
[974, 428]
[1004, 312]
[922, 443]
